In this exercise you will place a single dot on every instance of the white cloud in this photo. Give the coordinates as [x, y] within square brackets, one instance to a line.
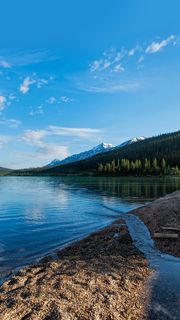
[157, 46]
[109, 84]
[3, 102]
[38, 110]
[12, 123]
[134, 50]
[74, 132]
[45, 150]
[24, 87]
[62, 99]
[41, 155]
[108, 61]
[4, 140]
[12, 97]
[141, 59]
[66, 99]
[41, 82]
[50, 151]
[96, 65]
[118, 68]
[34, 137]
[24, 58]
[103, 75]
[4, 63]
[51, 100]
[28, 81]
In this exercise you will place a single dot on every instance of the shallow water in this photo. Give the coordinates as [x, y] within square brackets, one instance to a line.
[40, 214]
[165, 295]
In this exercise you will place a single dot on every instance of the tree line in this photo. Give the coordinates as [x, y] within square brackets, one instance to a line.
[138, 167]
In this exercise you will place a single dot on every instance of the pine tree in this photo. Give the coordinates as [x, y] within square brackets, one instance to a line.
[163, 166]
[155, 166]
[113, 166]
[100, 168]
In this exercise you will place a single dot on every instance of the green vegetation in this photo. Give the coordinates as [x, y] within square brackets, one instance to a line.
[125, 167]
[4, 171]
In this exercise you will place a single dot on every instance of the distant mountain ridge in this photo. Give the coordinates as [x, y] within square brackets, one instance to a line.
[4, 171]
[101, 148]
[164, 147]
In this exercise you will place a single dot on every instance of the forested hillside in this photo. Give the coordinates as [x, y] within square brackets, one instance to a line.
[4, 171]
[156, 155]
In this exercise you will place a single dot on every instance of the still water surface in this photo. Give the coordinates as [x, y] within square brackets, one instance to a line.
[40, 214]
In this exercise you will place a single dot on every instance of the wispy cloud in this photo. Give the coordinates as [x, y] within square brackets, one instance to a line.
[34, 137]
[3, 102]
[109, 60]
[46, 150]
[66, 99]
[51, 100]
[24, 58]
[12, 97]
[73, 132]
[11, 123]
[158, 46]
[42, 155]
[6, 100]
[132, 52]
[117, 71]
[4, 63]
[112, 88]
[107, 84]
[61, 99]
[4, 140]
[39, 110]
[141, 59]
[29, 81]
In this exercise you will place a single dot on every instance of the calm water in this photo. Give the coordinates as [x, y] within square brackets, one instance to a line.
[40, 214]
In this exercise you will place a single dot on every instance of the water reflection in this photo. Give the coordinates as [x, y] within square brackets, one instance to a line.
[40, 214]
[148, 188]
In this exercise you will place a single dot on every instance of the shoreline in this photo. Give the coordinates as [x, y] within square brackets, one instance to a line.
[104, 270]
[163, 212]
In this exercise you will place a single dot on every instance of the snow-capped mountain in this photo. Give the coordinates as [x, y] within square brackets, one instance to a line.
[103, 147]
[131, 141]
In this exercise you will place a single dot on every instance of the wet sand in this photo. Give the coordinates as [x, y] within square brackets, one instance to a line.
[162, 213]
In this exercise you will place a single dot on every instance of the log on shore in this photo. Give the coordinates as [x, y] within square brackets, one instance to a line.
[165, 235]
[171, 229]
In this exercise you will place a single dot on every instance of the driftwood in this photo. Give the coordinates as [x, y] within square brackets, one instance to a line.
[171, 228]
[165, 235]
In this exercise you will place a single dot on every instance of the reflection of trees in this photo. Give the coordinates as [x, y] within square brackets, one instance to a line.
[148, 188]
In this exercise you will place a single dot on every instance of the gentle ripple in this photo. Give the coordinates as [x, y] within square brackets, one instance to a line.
[41, 214]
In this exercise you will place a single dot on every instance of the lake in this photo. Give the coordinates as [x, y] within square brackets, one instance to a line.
[38, 215]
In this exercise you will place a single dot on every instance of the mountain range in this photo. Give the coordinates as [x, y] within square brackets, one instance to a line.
[161, 152]
[101, 148]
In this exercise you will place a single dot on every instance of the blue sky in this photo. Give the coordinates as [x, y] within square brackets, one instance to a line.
[76, 73]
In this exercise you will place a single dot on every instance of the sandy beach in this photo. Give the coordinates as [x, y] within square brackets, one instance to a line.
[100, 277]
